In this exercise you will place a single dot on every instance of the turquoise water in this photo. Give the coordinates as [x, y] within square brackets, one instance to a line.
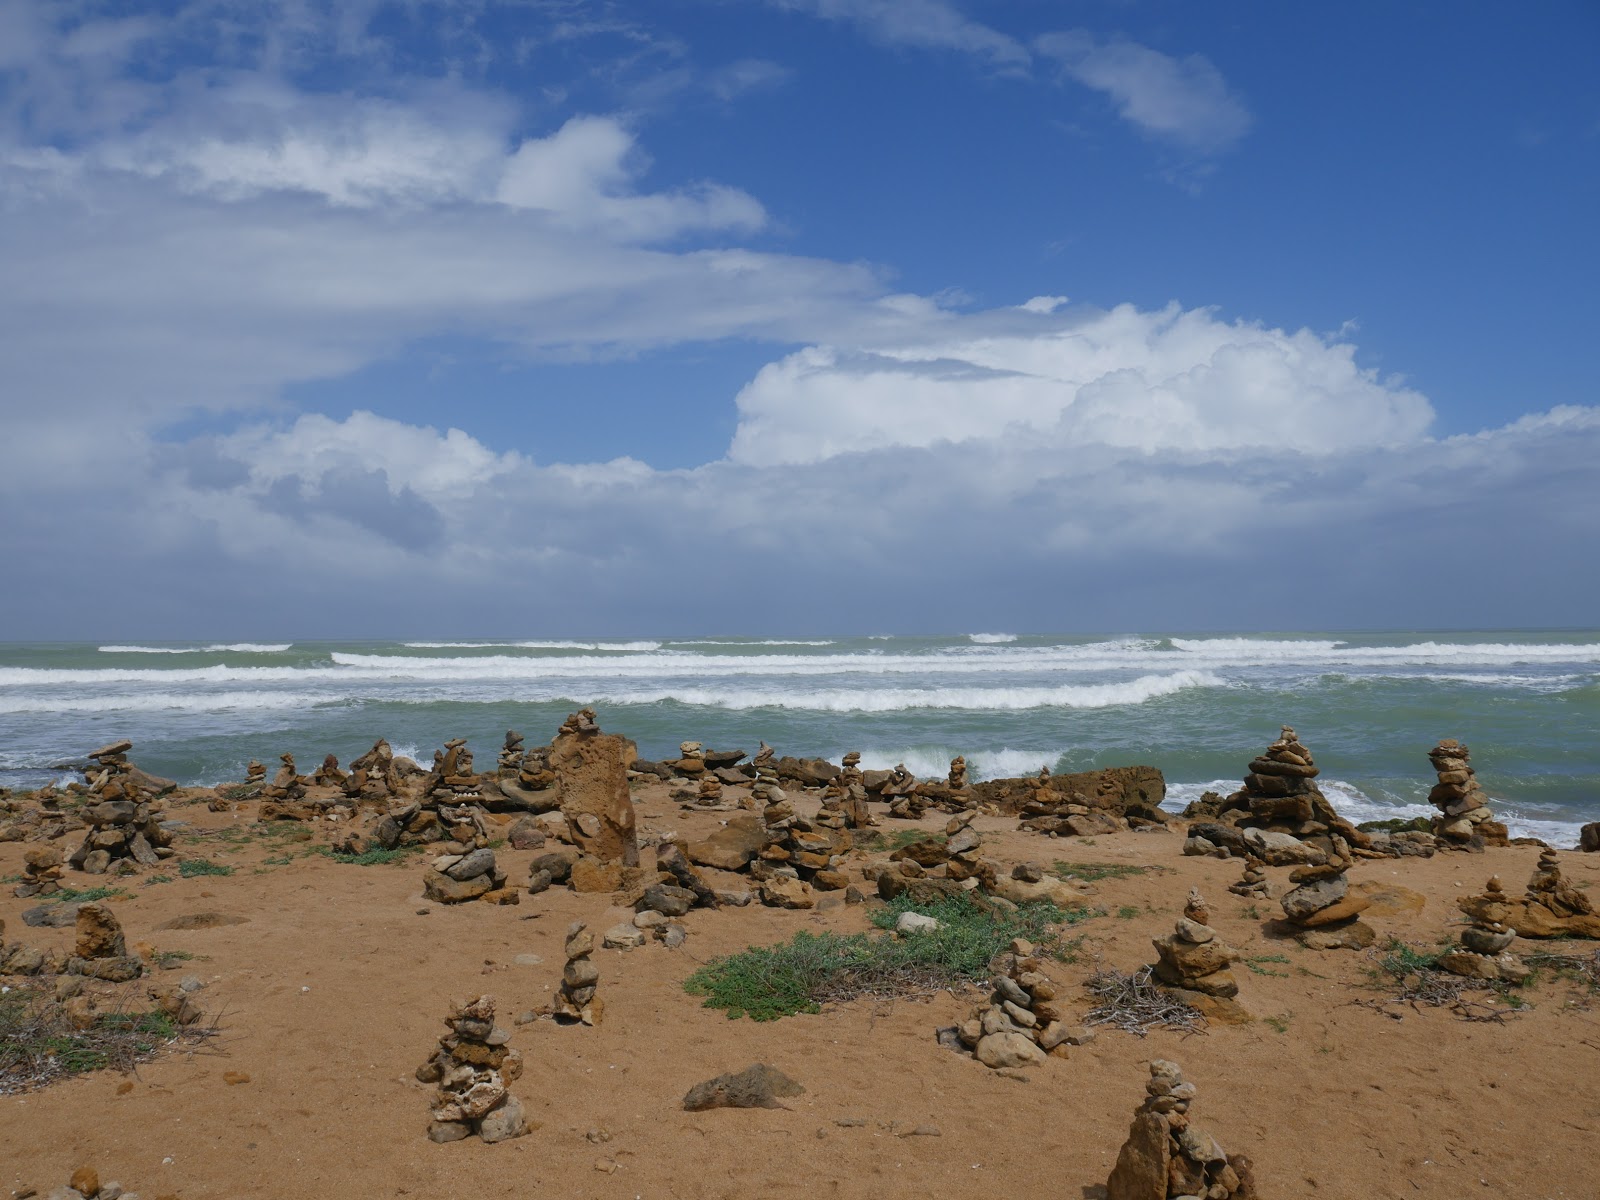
[1369, 705]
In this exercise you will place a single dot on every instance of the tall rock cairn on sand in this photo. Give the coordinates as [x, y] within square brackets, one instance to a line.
[1194, 957]
[473, 1066]
[125, 821]
[1465, 819]
[1325, 910]
[579, 979]
[1166, 1156]
[591, 771]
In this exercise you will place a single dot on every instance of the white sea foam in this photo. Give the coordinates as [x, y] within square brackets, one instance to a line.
[755, 642]
[933, 762]
[166, 702]
[991, 639]
[537, 645]
[216, 648]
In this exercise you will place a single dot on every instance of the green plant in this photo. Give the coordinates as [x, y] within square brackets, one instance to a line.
[876, 841]
[377, 856]
[1251, 911]
[1128, 912]
[89, 895]
[158, 879]
[40, 1043]
[809, 970]
[191, 868]
[1280, 1023]
[1254, 964]
[1093, 872]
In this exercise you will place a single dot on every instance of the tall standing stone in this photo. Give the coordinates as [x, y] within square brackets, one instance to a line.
[591, 771]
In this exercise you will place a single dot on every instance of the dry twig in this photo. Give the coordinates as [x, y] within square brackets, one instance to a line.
[1135, 1003]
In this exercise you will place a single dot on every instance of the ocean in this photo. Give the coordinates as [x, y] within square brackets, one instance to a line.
[1368, 705]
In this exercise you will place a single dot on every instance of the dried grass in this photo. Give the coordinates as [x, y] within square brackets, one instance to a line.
[1136, 1004]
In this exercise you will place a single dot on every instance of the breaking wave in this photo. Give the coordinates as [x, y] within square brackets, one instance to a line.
[218, 648]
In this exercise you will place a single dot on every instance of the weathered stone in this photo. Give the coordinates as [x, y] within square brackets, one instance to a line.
[1143, 1161]
[503, 1123]
[1008, 1049]
[99, 933]
[592, 783]
[757, 1086]
[441, 889]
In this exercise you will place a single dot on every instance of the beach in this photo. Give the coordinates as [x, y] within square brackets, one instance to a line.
[328, 981]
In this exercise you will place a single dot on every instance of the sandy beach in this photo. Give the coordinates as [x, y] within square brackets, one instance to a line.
[331, 987]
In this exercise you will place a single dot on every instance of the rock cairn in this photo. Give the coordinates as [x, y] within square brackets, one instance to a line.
[591, 771]
[1551, 907]
[844, 799]
[1194, 957]
[1279, 783]
[287, 784]
[900, 790]
[456, 878]
[798, 849]
[1465, 819]
[255, 775]
[708, 792]
[1166, 1155]
[962, 842]
[374, 776]
[329, 774]
[473, 1066]
[958, 774]
[1325, 912]
[452, 780]
[579, 979]
[691, 759]
[1021, 1023]
[1252, 885]
[41, 872]
[525, 777]
[125, 822]
[1485, 942]
[101, 952]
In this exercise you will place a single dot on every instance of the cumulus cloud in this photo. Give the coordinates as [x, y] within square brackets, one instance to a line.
[1173, 379]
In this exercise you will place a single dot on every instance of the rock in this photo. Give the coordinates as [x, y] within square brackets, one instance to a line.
[668, 900]
[732, 847]
[1143, 1162]
[757, 1086]
[99, 933]
[1589, 838]
[623, 937]
[915, 922]
[442, 889]
[1355, 935]
[51, 916]
[87, 1181]
[1309, 898]
[525, 834]
[469, 866]
[592, 875]
[591, 771]
[782, 892]
[1006, 1049]
[503, 1123]
[449, 1131]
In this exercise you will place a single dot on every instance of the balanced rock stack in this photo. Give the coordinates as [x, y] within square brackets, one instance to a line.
[255, 775]
[1325, 910]
[1021, 1023]
[456, 878]
[1465, 818]
[1252, 885]
[525, 775]
[1485, 942]
[374, 775]
[962, 842]
[845, 798]
[958, 774]
[473, 1066]
[1167, 1156]
[41, 872]
[691, 760]
[1552, 907]
[452, 780]
[708, 792]
[1279, 815]
[101, 952]
[329, 774]
[125, 823]
[796, 851]
[900, 790]
[284, 798]
[1193, 957]
[580, 979]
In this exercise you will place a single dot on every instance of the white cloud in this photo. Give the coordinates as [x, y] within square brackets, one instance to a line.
[933, 24]
[1183, 100]
[1148, 381]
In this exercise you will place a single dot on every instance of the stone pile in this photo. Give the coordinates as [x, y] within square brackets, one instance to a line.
[452, 780]
[900, 790]
[329, 775]
[958, 774]
[18, 959]
[284, 799]
[1485, 942]
[101, 952]
[457, 878]
[255, 775]
[41, 872]
[374, 776]
[591, 771]
[797, 851]
[1279, 815]
[125, 821]
[708, 792]
[473, 1066]
[1021, 1023]
[1465, 819]
[844, 799]
[1323, 909]
[1166, 1155]
[691, 760]
[85, 1184]
[1552, 907]
[1194, 958]
[1252, 885]
[579, 979]
[525, 778]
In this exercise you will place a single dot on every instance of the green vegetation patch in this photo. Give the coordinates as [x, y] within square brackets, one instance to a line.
[88, 895]
[192, 868]
[1093, 872]
[375, 857]
[39, 1043]
[810, 970]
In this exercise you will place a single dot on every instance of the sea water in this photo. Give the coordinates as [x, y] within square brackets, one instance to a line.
[1369, 705]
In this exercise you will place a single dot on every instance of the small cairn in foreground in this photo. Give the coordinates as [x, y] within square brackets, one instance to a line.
[691, 760]
[1325, 910]
[41, 872]
[101, 951]
[1252, 885]
[1465, 820]
[1021, 1024]
[579, 979]
[1167, 1156]
[472, 1067]
[1485, 942]
[1193, 957]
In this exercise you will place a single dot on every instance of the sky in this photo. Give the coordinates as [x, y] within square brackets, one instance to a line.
[567, 318]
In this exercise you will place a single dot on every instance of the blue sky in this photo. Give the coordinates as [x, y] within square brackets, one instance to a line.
[327, 309]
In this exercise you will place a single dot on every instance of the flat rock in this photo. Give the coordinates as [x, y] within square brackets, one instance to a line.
[757, 1086]
[202, 920]
[1006, 1049]
[50, 916]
